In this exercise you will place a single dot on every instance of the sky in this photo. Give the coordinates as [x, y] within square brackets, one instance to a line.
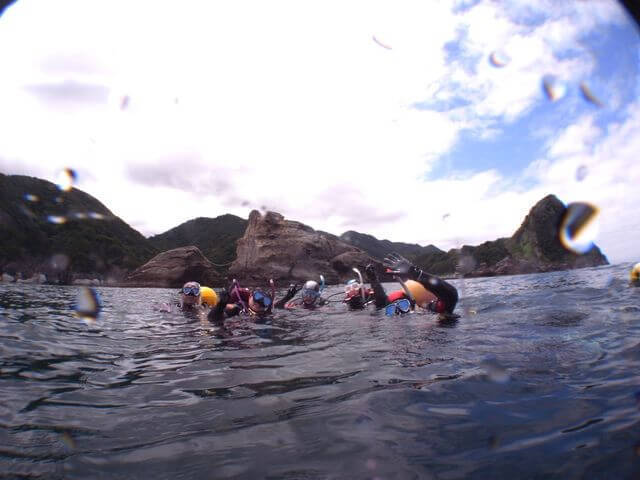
[422, 122]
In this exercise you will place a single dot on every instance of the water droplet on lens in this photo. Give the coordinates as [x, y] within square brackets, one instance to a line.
[553, 88]
[499, 59]
[68, 440]
[582, 172]
[27, 211]
[124, 102]
[87, 305]
[58, 220]
[383, 45]
[589, 96]
[31, 198]
[59, 261]
[66, 178]
[579, 227]
[496, 372]
[466, 264]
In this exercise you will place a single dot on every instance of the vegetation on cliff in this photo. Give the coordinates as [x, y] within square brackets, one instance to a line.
[534, 247]
[217, 238]
[380, 248]
[38, 222]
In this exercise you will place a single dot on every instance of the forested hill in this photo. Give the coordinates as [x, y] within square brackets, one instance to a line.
[44, 229]
[216, 238]
[380, 248]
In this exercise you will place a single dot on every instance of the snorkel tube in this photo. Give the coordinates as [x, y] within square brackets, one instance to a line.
[273, 293]
[236, 290]
[321, 283]
[361, 284]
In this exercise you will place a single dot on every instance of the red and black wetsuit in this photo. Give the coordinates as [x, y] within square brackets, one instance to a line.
[447, 295]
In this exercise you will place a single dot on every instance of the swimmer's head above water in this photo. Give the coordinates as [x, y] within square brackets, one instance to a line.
[353, 295]
[310, 293]
[190, 295]
[260, 302]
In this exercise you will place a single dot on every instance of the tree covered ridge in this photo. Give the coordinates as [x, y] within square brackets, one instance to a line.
[38, 221]
[217, 238]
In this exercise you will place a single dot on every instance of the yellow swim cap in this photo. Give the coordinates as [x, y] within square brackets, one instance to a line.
[635, 273]
[421, 295]
[209, 296]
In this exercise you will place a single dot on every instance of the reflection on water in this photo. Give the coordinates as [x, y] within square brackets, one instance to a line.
[540, 381]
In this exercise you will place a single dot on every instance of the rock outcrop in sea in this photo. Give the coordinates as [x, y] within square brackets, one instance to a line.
[286, 251]
[174, 268]
[534, 247]
[215, 237]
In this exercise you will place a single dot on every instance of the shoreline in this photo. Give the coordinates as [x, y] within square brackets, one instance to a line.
[37, 279]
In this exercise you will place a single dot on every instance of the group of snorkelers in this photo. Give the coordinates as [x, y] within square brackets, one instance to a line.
[419, 289]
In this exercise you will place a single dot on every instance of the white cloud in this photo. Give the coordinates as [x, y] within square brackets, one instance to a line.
[287, 105]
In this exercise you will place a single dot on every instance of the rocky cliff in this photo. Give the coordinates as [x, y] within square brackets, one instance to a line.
[534, 247]
[174, 268]
[217, 238]
[285, 250]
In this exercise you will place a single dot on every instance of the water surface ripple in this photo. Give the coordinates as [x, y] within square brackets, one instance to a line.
[538, 379]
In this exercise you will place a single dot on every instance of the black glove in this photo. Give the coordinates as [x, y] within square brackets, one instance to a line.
[216, 314]
[223, 297]
[293, 289]
[399, 265]
[371, 273]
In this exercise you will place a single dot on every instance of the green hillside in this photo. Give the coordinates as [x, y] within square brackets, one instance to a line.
[215, 237]
[380, 248]
[38, 221]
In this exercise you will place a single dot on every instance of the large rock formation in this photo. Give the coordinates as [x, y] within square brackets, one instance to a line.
[216, 238]
[174, 268]
[285, 250]
[534, 247]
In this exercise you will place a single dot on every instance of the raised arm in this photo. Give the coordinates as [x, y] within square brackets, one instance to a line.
[380, 297]
[442, 289]
[293, 289]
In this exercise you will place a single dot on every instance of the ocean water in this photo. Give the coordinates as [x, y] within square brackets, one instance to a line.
[540, 378]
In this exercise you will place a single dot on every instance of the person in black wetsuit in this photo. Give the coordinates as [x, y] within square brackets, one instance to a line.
[441, 297]
[255, 302]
